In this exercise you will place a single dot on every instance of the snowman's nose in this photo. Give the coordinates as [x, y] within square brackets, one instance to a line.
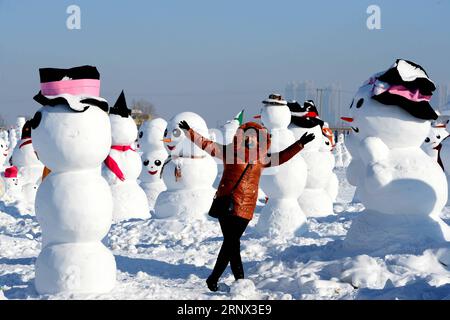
[167, 140]
[347, 119]
[258, 116]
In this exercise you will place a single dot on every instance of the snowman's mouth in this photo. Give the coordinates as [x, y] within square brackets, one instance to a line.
[153, 172]
[5, 154]
[356, 129]
[171, 147]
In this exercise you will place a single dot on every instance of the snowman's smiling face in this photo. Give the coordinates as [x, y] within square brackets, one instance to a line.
[396, 127]
[434, 138]
[152, 163]
[3, 149]
[173, 136]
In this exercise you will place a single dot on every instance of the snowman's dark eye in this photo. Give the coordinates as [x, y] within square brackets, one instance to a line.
[359, 103]
[438, 136]
[327, 143]
[165, 133]
[1, 146]
[351, 105]
[176, 132]
[427, 140]
[158, 162]
[146, 162]
[141, 134]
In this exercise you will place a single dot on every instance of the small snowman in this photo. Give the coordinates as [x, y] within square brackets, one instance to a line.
[72, 135]
[403, 190]
[25, 158]
[282, 215]
[328, 146]
[151, 134]
[123, 166]
[432, 144]
[151, 180]
[12, 186]
[188, 173]
[4, 152]
[314, 200]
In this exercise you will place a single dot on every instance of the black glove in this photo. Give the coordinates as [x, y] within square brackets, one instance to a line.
[306, 138]
[184, 125]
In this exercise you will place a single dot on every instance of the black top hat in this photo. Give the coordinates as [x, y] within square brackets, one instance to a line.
[306, 115]
[275, 99]
[78, 88]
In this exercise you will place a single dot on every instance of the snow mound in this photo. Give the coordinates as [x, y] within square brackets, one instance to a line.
[244, 289]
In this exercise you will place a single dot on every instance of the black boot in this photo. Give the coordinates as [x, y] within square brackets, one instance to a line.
[212, 284]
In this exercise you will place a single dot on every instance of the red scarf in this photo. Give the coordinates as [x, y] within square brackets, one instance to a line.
[25, 143]
[112, 165]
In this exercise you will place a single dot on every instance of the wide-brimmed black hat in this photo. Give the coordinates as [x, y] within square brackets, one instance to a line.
[407, 85]
[306, 115]
[78, 88]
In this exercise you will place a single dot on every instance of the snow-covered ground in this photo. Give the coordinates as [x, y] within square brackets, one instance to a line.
[167, 260]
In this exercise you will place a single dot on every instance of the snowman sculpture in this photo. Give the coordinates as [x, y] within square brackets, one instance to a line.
[25, 159]
[151, 179]
[282, 215]
[188, 173]
[151, 134]
[432, 144]
[314, 200]
[123, 166]
[402, 188]
[4, 152]
[11, 184]
[71, 135]
[327, 148]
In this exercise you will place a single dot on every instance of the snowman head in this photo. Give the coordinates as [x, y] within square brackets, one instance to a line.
[437, 133]
[123, 127]
[72, 130]
[3, 150]
[151, 134]
[328, 138]
[394, 106]
[152, 163]
[176, 142]
[275, 113]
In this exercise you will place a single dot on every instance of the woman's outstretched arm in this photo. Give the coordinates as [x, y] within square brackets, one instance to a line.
[278, 158]
[213, 148]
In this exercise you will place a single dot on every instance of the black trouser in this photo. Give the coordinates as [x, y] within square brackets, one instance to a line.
[233, 228]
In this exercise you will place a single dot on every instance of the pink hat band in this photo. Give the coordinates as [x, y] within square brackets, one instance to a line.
[86, 87]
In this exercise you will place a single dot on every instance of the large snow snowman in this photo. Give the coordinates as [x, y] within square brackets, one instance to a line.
[25, 159]
[188, 173]
[402, 188]
[314, 200]
[123, 166]
[282, 215]
[71, 135]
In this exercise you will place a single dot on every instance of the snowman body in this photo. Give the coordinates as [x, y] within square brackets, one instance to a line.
[188, 174]
[73, 203]
[130, 201]
[150, 179]
[282, 215]
[355, 170]
[315, 200]
[402, 188]
[444, 156]
[25, 159]
[333, 184]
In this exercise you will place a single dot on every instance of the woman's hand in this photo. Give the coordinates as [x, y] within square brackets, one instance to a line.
[184, 125]
[306, 138]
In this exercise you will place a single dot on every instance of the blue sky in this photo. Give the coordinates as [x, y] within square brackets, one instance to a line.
[214, 57]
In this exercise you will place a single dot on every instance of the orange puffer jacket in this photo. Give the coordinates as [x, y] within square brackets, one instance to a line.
[236, 157]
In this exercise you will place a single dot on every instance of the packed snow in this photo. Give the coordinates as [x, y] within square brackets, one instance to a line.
[159, 259]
